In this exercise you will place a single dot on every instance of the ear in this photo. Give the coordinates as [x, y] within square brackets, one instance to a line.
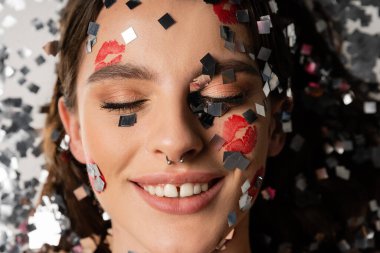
[70, 122]
[277, 137]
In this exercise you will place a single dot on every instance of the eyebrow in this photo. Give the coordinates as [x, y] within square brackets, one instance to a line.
[132, 71]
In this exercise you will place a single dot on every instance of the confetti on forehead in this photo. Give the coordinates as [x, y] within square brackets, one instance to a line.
[129, 35]
[133, 4]
[166, 21]
[109, 3]
[209, 65]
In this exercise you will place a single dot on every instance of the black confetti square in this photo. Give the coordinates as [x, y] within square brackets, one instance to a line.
[250, 116]
[133, 4]
[166, 21]
[40, 60]
[242, 16]
[109, 3]
[24, 70]
[228, 76]
[33, 88]
[209, 65]
[127, 120]
[206, 120]
[21, 81]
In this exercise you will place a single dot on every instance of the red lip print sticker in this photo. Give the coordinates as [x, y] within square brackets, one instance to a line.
[232, 128]
[226, 12]
[111, 50]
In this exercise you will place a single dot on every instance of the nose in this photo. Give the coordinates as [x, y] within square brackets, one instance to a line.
[174, 135]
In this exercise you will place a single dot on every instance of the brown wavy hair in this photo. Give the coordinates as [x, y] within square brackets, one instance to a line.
[65, 173]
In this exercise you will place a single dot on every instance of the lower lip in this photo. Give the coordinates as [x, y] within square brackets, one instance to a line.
[187, 205]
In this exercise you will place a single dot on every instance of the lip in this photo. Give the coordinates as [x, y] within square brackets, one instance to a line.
[178, 206]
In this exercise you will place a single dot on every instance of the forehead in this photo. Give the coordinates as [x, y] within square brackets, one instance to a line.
[195, 33]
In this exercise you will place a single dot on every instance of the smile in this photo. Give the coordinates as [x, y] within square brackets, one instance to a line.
[181, 193]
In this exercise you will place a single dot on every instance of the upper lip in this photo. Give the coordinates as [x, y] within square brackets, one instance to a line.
[176, 178]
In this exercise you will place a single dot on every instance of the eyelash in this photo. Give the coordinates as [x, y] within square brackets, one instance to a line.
[122, 107]
[136, 105]
[195, 98]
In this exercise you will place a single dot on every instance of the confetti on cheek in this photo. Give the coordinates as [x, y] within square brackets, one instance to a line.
[247, 142]
[256, 183]
[226, 12]
[111, 50]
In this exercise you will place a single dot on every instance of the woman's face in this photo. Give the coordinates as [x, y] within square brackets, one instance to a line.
[156, 73]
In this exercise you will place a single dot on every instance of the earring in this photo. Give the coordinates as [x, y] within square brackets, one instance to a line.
[97, 181]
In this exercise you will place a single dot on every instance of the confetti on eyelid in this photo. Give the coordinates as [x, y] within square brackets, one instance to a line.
[129, 35]
[133, 4]
[127, 120]
[166, 21]
[228, 76]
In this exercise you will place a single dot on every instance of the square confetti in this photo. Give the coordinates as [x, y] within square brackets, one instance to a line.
[260, 110]
[129, 35]
[166, 21]
[133, 4]
[127, 120]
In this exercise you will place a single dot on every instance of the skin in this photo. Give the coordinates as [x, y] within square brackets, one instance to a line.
[165, 126]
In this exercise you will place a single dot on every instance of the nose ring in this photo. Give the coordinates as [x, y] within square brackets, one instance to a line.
[170, 162]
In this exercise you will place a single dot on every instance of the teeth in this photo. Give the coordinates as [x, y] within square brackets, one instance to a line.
[186, 190]
[172, 191]
[151, 190]
[159, 191]
[197, 188]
